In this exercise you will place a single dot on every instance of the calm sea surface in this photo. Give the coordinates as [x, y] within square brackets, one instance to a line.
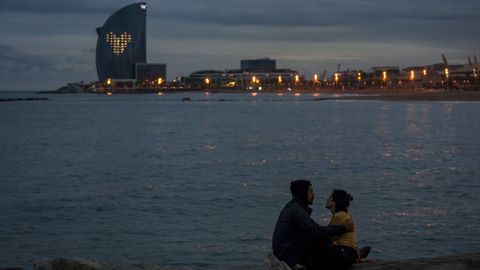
[152, 179]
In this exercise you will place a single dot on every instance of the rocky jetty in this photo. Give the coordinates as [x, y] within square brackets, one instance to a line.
[21, 99]
[71, 88]
[469, 261]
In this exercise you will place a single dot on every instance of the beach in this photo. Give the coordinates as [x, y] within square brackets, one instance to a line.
[411, 95]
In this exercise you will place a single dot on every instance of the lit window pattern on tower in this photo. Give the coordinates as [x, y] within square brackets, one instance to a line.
[118, 43]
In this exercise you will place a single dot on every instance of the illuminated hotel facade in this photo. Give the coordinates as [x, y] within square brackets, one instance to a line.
[121, 43]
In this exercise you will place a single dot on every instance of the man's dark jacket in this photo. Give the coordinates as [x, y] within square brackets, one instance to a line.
[296, 232]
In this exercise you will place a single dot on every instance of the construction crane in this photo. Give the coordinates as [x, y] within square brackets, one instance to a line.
[447, 73]
[445, 60]
[475, 66]
[323, 75]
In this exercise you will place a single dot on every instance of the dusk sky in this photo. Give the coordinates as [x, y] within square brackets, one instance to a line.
[46, 44]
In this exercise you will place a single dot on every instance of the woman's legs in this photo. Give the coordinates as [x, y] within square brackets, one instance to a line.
[341, 257]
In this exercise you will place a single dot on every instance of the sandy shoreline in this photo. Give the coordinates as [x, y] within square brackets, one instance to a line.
[333, 94]
[410, 96]
[382, 95]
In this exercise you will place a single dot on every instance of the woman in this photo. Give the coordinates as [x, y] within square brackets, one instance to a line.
[343, 251]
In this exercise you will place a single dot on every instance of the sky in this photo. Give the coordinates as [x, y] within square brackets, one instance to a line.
[46, 44]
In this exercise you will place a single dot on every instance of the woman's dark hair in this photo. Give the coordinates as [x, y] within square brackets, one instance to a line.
[342, 200]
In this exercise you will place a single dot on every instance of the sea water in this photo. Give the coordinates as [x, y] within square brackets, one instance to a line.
[200, 183]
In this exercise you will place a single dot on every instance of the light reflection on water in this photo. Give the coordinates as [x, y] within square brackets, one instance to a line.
[148, 178]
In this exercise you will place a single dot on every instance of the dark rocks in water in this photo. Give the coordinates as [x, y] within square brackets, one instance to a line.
[186, 99]
[71, 88]
[68, 264]
[22, 99]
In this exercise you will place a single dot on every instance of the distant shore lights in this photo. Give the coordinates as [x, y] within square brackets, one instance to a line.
[336, 77]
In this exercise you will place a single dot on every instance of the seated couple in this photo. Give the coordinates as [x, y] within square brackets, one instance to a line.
[303, 244]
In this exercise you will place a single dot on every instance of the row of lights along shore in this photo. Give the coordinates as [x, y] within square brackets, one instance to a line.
[297, 80]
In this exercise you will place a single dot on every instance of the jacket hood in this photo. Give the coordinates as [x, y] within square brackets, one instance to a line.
[299, 189]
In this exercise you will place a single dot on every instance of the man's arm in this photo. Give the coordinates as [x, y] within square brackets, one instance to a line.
[342, 218]
[308, 224]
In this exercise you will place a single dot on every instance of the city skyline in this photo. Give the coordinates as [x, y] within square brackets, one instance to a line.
[49, 43]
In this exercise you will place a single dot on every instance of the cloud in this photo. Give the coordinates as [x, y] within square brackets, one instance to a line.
[18, 62]
[56, 6]
[59, 36]
[20, 70]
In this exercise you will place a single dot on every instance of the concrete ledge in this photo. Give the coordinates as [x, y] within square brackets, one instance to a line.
[454, 262]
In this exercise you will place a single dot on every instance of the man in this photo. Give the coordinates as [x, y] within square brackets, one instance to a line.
[296, 234]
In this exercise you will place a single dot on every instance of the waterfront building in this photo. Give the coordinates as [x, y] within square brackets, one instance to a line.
[256, 74]
[121, 43]
[258, 65]
[145, 73]
[206, 79]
